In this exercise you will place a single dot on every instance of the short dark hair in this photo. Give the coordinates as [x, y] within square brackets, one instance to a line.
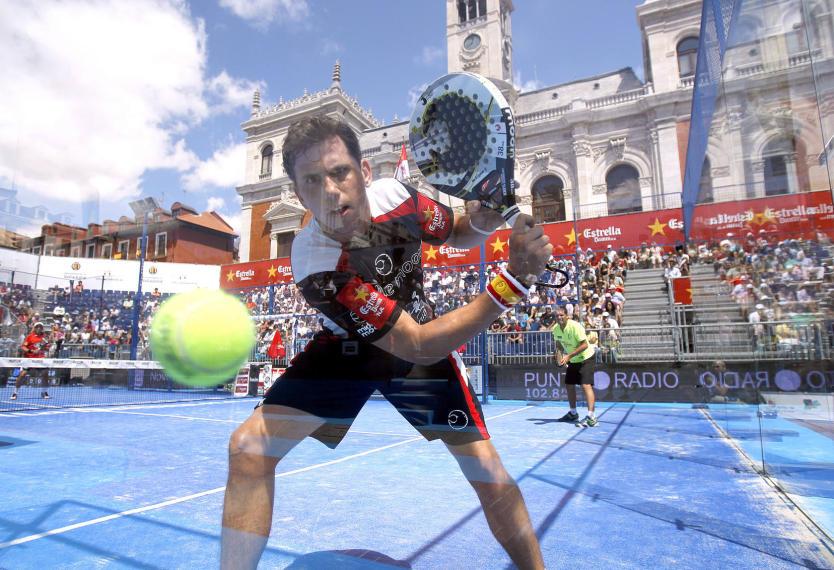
[310, 131]
[561, 309]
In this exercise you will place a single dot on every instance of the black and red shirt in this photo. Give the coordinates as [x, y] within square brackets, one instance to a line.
[362, 287]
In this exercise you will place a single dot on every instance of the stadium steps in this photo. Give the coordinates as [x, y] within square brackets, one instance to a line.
[647, 306]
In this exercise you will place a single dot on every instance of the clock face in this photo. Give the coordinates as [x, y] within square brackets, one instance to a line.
[472, 42]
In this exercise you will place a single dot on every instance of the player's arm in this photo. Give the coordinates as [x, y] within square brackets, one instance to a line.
[530, 248]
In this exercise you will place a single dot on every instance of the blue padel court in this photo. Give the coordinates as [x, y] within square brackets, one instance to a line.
[653, 486]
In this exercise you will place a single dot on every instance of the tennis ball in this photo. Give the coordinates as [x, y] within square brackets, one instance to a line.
[202, 337]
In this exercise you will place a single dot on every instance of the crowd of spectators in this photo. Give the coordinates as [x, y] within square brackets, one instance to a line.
[772, 281]
[776, 283]
[79, 322]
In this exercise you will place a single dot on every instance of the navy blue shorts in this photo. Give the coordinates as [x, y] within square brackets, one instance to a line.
[333, 378]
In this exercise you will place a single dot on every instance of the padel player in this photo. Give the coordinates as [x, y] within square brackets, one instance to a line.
[574, 351]
[358, 262]
[34, 346]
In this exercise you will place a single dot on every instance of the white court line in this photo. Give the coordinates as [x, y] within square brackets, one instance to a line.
[170, 502]
[193, 418]
[196, 418]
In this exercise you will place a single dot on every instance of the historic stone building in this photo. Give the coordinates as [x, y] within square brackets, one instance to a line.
[597, 146]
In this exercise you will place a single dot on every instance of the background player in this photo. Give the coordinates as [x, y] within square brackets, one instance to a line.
[34, 345]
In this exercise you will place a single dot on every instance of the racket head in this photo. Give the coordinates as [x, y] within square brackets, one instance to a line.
[462, 138]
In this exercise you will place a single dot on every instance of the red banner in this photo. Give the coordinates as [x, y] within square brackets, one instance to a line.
[682, 289]
[789, 215]
[256, 273]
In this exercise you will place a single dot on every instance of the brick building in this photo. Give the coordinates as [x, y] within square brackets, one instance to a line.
[180, 235]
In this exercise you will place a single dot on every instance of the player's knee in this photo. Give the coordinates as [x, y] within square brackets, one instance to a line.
[485, 469]
[248, 454]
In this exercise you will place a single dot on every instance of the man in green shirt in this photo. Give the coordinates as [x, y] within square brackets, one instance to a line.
[573, 350]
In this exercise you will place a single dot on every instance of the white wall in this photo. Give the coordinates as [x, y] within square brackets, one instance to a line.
[43, 272]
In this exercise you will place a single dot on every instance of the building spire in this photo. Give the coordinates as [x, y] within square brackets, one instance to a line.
[256, 102]
[336, 85]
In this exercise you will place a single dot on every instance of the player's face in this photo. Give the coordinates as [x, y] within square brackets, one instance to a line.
[331, 184]
[561, 318]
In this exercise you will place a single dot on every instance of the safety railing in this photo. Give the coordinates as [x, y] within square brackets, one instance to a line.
[772, 340]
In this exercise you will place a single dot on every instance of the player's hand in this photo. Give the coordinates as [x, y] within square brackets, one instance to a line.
[482, 217]
[563, 360]
[530, 249]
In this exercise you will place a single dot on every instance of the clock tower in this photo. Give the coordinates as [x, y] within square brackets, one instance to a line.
[479, 39]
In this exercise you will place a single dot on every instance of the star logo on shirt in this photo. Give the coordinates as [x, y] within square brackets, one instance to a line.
[428, 213]
[361, 293]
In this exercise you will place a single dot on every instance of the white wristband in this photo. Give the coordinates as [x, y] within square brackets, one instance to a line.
[477, 229]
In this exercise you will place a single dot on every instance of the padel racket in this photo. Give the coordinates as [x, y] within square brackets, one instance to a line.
[462, 137]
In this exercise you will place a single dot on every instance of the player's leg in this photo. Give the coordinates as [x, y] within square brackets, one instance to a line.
[501, 499]
[44, 375]
[255, 449]
[570, 388]
[21, 378]
[586, 378]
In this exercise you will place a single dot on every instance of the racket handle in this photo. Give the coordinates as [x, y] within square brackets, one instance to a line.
[510, 214]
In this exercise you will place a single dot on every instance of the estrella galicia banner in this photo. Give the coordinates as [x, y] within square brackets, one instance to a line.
[668, 382]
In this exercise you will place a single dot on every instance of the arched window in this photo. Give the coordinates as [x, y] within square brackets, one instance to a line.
[705, 187]
[778, 158]
[548, 199]
[687, 56]
[470, 9]
[266, 161]
[623, 182]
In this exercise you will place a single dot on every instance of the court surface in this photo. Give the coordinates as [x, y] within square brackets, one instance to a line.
[141, 486]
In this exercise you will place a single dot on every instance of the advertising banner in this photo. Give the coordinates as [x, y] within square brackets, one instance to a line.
[788, 215]
[669, 382]
[256, 273]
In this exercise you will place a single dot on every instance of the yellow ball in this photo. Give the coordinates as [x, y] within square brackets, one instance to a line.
[202, 337]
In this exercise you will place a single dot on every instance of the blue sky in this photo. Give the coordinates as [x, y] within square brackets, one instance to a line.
[110, 100]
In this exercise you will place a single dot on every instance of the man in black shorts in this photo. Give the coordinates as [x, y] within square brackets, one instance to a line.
[358, 262]
[573, 350]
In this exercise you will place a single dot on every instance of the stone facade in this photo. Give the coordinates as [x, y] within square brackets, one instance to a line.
[596, 146]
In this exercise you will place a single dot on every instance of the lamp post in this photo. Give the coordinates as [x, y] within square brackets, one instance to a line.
[141, 208]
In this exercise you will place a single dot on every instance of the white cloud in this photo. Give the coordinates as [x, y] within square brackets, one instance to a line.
[96, 92]
[224, 169]
[230, 92]
[414, 94]
[524, 86]
[215, 203]
[260, 13]
[429, 55]
[330, 47]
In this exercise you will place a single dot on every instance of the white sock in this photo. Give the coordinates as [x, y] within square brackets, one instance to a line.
[573, 410]
[591, 414]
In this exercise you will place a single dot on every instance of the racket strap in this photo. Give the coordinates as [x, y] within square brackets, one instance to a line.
[505, 290]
